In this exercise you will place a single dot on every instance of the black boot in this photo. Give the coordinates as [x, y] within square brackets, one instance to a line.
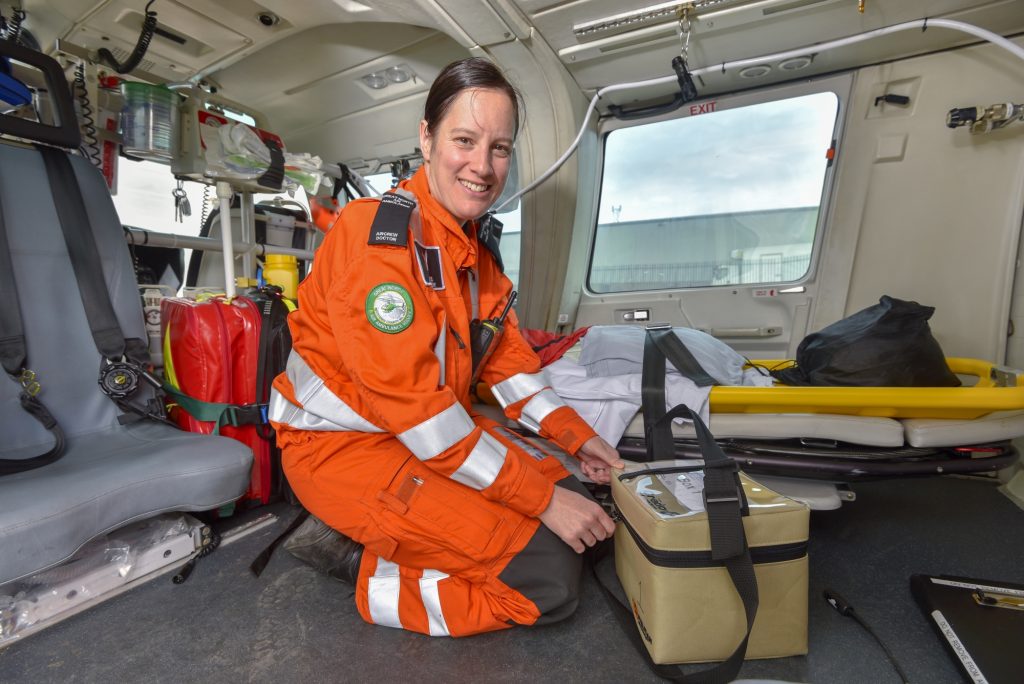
[326, 550]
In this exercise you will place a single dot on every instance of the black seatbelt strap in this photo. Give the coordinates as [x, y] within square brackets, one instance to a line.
[123, 367]
[14, 358]
[85, 257]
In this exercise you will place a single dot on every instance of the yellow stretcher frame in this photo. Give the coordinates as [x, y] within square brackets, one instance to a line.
[996, 389]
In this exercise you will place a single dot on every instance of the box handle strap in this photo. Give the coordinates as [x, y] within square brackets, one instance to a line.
[724, 502]
[725, 506]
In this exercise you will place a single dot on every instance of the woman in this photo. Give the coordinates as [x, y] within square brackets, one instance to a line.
[463, 530]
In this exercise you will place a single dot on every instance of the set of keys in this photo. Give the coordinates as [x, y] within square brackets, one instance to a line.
[182, 207]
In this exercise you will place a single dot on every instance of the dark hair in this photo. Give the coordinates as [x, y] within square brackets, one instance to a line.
[465, 74]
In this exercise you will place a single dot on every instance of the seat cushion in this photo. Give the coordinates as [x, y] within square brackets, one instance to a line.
[107, 479]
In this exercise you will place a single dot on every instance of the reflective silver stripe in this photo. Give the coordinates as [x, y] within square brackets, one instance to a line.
[519, 387]
[439, 351]
[538, 408]
[432, 602]
[438, 433]
[383, 593]
[321, 409]
[280, 410]
[483, 464]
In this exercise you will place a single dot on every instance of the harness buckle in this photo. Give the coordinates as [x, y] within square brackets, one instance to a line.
[119, 379]
[29, 383]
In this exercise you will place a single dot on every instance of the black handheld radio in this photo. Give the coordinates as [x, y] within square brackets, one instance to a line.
[484, 336]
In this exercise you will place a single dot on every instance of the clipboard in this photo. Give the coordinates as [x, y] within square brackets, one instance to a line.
[980, 622]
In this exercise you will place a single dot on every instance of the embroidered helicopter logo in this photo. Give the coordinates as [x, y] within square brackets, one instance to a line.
[389, 308]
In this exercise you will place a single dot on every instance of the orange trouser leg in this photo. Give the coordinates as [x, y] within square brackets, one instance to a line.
[439, 558]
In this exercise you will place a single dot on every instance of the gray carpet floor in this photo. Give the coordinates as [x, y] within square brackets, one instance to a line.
[293, 625]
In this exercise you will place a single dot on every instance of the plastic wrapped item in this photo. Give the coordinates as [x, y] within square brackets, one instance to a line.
[99, 570]
[236, 151]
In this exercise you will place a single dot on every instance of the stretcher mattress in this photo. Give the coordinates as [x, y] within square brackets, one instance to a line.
[988, 408]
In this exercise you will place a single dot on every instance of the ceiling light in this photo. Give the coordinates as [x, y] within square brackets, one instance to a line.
[796, 63]
[397, 74]
[756, 71]
[376, 80]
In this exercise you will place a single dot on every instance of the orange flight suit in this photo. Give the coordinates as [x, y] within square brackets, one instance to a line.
[374, 419]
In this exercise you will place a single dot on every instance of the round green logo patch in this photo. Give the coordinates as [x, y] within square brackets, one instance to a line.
[389, 308]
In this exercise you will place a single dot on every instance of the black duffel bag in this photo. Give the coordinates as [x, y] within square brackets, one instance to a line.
[886, 345]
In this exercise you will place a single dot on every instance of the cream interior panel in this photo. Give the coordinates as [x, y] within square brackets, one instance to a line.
[928, 213]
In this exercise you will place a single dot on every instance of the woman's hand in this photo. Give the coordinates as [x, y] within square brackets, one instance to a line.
[597, 458]
[577, 520]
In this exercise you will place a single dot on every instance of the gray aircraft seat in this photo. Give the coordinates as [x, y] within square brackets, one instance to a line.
[110, 473]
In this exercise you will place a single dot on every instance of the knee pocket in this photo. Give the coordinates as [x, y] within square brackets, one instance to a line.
[429, 507]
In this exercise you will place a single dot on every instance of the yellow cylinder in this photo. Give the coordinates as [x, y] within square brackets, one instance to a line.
[282, 270]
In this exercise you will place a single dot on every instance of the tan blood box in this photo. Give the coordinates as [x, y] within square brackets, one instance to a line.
[684, 603]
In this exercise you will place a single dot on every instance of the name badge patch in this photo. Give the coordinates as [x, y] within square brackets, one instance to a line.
[391, 222]
[389, 308]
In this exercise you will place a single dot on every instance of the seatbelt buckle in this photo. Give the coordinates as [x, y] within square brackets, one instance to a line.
[248, 414]
[651, 327]
[237, 416]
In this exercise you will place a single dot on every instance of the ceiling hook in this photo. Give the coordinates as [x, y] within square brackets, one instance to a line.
[684, 28]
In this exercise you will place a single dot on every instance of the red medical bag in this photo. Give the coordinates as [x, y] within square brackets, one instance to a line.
[225, 354]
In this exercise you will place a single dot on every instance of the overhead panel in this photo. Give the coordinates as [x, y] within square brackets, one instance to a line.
[605, 41]
[327, 87]
[477, 21]
[186, 40]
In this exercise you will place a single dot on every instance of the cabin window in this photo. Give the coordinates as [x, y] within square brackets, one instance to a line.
[724, 198]
[144, 200]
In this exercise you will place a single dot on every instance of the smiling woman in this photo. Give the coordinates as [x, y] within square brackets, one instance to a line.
[466, 136]
[371, 416]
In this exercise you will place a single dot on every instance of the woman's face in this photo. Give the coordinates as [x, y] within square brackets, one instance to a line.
[468, 155]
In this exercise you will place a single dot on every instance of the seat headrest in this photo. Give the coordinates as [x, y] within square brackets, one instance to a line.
[64, 131]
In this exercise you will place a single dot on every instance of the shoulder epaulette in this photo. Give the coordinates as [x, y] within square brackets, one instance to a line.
[391, 222]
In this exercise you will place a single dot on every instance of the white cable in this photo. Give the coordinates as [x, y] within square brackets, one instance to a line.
[923, 24]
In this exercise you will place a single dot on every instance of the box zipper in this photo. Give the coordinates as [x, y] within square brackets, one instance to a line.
[702, 559]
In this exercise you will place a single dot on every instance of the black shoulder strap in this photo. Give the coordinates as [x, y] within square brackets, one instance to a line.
[14, 358]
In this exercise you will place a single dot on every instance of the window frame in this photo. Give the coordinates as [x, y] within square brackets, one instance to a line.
[838, 85]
